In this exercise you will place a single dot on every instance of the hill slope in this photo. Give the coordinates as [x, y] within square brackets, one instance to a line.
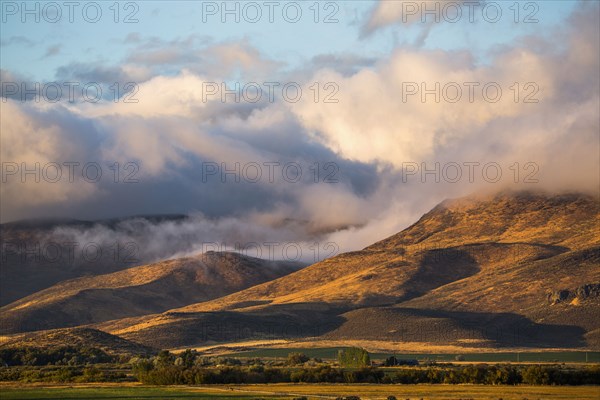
[78, 338]
[139, 290]
[39, 253]
[467, 266]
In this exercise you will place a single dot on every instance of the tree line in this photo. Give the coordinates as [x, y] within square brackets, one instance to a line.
[485, 375]
[70, 364]
[64, 355]
[168, 369]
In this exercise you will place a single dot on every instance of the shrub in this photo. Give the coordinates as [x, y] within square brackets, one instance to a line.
[296, 358]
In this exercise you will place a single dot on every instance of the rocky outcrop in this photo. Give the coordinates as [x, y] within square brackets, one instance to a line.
[591, 290]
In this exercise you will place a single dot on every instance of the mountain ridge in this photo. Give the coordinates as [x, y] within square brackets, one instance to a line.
[468, 266]
[139, 290]
[492, 254]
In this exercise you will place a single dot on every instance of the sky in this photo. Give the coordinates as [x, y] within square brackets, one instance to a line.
[330, 122]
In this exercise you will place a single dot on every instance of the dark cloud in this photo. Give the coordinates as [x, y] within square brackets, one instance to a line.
[180, 184]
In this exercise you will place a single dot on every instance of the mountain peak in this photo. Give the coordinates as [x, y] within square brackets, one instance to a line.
[509, 216]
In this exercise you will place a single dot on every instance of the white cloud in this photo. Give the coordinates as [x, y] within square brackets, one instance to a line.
[370, 133]
[374, 121]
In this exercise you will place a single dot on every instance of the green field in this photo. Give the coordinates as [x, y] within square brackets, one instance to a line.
[132, 393]
[289, 391]
[331, 353]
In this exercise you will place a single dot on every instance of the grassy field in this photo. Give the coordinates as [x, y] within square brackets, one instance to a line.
[128, 392]
[331, 353]
[289, 391]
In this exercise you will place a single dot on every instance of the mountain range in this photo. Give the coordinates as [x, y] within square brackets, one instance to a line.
[503, 271]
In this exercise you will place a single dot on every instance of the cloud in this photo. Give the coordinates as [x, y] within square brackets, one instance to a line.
[374, 120]
[200, 55]
[145, 240]
[88, 72]
[33, 140]
[18, 40]
[171, 138]
[346, 64]
[152, 57]
[52, 51]
[8, 79]
[370, 136]
[133, 37]
[386, 13]
[411, 13]
[374, 123]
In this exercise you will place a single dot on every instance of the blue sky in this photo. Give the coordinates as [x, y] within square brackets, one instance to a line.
[291, 43]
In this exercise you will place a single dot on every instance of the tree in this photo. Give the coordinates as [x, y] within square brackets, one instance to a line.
[354, 357]
[164, 359]
[536, 375]
[188, 357]
[296, 358]
[391, 361]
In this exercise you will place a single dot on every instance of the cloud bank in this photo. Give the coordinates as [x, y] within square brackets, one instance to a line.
[371, 161]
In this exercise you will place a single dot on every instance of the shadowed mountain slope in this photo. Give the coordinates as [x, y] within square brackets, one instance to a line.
[78, 338]
[473, 263]
[37, 254]
[139, 290]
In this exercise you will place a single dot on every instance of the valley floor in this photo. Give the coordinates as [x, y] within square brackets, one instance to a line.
[290, 391]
